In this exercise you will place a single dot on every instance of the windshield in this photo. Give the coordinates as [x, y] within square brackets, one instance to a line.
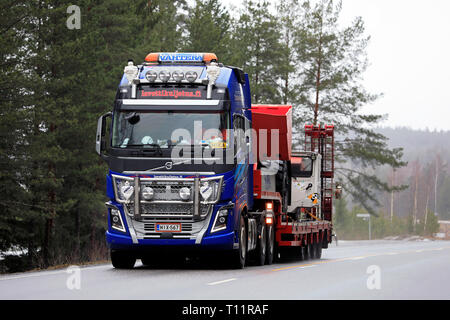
[301, 167]
[166, 129]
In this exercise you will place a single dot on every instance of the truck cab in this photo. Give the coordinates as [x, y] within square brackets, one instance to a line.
[178, 160]
[305, 181]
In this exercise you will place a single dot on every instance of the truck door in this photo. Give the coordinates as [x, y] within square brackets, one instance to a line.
[305, 188]
[241, 183]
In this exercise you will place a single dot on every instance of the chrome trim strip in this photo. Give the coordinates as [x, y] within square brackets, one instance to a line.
[169, 102]
[137, 202]
[196, 200]
[201, 233]
[170, 173]
[130, 226]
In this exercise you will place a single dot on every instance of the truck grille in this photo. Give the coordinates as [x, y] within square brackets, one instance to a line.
[169, 209]
[164, 201]
[167, 192]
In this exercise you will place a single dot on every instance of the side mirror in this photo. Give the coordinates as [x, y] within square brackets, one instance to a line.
[100, 144]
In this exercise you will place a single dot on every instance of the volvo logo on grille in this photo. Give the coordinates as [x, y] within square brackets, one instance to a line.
[169, 165]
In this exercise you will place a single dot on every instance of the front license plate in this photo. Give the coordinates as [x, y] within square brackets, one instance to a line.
[168, 227]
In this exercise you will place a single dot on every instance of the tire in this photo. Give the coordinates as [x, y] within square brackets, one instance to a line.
[261, 248]
[305, 253]
[318, 254]
[311, 251]
[239, 256]
[270, 246]
[122, 260]
[147, 261]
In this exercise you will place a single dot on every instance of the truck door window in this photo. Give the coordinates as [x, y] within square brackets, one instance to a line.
[239, 132]
[302, 167]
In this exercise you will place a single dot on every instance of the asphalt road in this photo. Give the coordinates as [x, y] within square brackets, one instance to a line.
[353, 270]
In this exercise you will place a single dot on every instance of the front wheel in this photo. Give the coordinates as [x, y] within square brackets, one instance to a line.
[239, 256]
[122, 260]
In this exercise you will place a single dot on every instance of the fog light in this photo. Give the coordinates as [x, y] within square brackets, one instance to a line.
[185, 193]
[116, 220]
[220, 222]
[148, 193]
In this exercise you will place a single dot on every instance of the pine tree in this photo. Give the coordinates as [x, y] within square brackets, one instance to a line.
[331, 65]
[208, 28]
[289, 25]
[160, 25]
[15, 207]
[75, 75]
[256, 45]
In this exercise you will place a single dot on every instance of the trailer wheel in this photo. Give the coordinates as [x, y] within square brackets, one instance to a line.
[239, 256]
[261, 249]
[305, 253]
[122, 260]
[311, 251]
[270, 247]
[318, 251]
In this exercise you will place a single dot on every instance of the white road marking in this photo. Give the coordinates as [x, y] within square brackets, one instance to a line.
[46, 273]
[357, 258]
[220, 282]
[314, 265]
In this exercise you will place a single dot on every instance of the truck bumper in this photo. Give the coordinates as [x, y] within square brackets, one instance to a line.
[223, 241]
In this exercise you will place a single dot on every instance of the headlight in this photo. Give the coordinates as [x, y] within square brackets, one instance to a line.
[210, 189]
[185, 193]
[126, 190]
[206, 190]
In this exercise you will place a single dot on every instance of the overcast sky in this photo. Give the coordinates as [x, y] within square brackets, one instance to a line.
[409, 57]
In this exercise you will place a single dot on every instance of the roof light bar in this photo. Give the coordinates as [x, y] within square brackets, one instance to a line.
[171, 57]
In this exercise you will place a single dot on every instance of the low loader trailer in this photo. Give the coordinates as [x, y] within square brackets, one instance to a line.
[195, 167]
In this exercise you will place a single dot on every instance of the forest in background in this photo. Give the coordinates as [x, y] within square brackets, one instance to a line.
[59, 75]
[425, 200]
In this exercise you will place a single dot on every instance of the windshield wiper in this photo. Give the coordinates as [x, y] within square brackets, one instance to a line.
[153, 147]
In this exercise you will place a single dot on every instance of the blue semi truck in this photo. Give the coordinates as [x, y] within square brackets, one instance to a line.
[185, 171]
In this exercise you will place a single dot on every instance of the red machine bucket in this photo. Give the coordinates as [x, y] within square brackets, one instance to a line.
[265, 120]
